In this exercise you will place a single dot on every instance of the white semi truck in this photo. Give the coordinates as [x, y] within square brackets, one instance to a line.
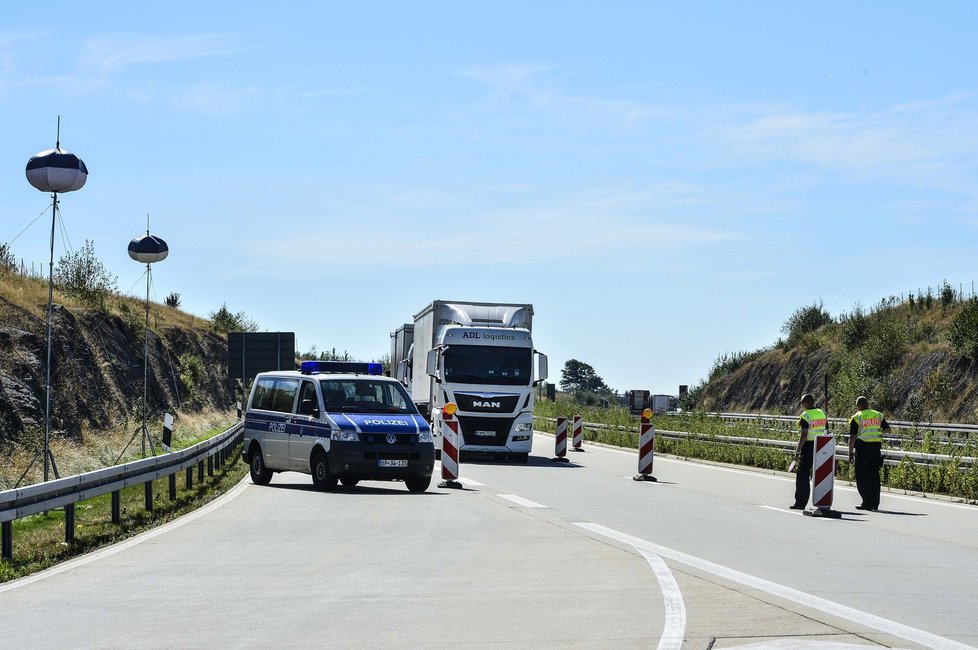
[480, 356]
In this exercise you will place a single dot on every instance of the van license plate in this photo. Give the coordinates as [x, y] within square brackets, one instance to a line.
[391, 463]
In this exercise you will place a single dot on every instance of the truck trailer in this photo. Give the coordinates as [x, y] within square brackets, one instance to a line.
[480, 356]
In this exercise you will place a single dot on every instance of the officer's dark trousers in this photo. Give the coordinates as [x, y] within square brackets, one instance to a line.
[869, 460]
[803, 479]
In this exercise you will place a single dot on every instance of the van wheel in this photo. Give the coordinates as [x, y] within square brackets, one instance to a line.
[321, 477]
[349, 482]
[417, 483]
[260, 474]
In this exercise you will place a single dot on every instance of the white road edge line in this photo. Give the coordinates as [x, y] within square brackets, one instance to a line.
[470, 482]
[674, 628]
[866, 619]
[526, 503]
[782, 510]
[129, 543]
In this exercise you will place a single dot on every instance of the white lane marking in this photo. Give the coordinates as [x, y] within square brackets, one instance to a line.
[469, 482]
[866, 619]
[775, 477]
[526, 503]
[786, 511]
[674, 629]
[129, 543]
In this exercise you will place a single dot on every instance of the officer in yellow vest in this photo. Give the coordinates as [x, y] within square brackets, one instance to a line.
[811, 423]
[866, 429]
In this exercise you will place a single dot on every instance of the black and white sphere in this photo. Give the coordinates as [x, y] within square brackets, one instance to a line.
[56, 170]
[148, 249]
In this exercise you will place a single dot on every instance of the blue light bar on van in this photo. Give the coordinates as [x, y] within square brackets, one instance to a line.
[352, 367]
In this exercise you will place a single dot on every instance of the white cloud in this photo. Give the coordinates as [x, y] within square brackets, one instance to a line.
[115, 52]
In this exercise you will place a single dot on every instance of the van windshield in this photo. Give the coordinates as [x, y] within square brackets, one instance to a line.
[365, 396]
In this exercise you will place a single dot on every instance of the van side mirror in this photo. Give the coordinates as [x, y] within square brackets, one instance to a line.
[306, 408]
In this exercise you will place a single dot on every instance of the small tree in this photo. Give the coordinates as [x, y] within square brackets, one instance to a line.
[963, 333]
[8, 264]
[82, 275]
[579, 377]
[173, 300]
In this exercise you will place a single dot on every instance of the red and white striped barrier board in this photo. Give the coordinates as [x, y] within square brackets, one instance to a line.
[560, 439]
[646, 448]
[578, 433]
[449, 452]
[823, 478]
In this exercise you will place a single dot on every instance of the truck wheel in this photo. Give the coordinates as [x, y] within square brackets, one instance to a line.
[417, 483]
[321, 477]
[260, 474]
[349, 482]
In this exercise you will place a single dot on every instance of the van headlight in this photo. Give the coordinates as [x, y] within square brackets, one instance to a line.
[524, 426]
[425, 436]
[345, 436]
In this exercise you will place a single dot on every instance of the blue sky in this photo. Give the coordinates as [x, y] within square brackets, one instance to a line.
[663, 182]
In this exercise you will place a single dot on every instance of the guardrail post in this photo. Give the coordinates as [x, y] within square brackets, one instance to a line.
[190, 477]
[173, 487]
[7, 544]
[210, 466]
[69, 523]
[149, 495]
[200, 471]
[116, 507]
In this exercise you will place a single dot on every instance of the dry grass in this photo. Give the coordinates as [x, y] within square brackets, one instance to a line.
[31, 294]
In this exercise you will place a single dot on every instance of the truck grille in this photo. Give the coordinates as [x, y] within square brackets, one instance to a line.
[476, 402]
[485, 431]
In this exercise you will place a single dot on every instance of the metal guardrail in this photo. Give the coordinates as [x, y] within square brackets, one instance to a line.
[945, 427]
[66, 492]
[890, 456]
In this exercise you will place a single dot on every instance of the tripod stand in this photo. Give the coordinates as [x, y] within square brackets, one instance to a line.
[146, 438]
[49, 456]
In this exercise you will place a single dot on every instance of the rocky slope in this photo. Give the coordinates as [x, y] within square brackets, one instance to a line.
[97, 368]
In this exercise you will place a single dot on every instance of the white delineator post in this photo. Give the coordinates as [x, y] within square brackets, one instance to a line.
[646, 448]
[449, 448]
[578, 433]
[823, 478]
[560, 441]
[167, 431]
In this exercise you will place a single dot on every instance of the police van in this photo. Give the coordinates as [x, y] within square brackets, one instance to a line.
[339, 422]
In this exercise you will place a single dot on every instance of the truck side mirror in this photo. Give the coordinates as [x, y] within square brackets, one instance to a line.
[432, 366]
[542, 368]
[402, 371]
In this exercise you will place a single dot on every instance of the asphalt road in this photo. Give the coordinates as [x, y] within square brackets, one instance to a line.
[546, 554]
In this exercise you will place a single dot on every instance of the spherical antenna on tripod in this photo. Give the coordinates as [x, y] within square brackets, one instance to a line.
[55, 171]
[148, 249]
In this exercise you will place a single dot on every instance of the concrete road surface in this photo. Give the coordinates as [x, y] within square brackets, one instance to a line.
[543, 554]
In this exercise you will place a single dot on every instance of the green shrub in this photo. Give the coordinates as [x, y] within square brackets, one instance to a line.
[82, 275]
[191, 372]
[963, 333]
[805, 320]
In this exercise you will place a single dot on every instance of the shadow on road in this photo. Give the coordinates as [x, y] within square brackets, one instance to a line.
[396, 489]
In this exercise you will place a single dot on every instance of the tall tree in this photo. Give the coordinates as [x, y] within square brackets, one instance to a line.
[579, 377]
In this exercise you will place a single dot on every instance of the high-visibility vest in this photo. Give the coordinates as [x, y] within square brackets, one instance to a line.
[869, 421]
[816, 423]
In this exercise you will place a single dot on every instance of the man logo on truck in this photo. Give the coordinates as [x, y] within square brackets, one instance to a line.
[486, 405]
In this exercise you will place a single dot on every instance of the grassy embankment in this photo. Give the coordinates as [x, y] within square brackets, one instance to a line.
[941, 478]
[39, 540]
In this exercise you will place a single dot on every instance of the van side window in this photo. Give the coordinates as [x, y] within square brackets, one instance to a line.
[308, 393]
[264, 392]
[283, 395]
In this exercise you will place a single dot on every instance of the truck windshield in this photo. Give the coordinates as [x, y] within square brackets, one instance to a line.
[483, 364]
[365, 396]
